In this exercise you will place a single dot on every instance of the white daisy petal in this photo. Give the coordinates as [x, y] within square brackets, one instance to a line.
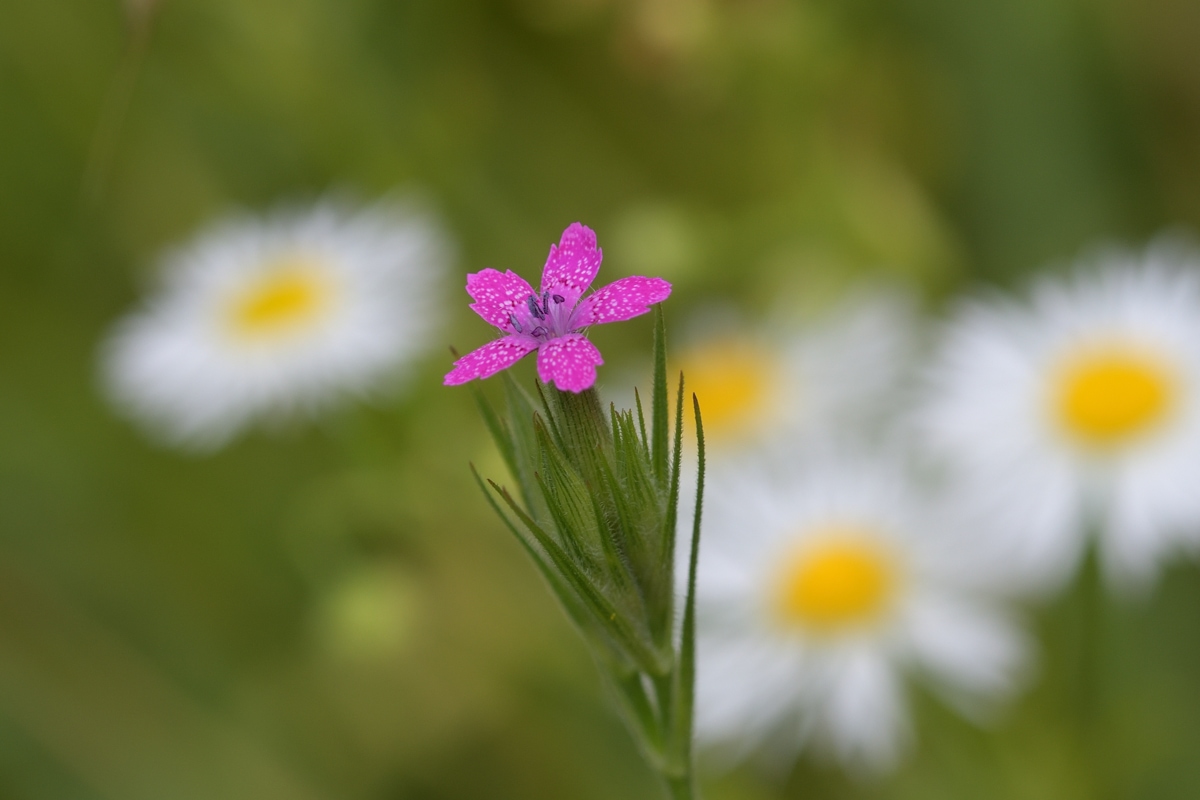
[973, 650]
[865, 711]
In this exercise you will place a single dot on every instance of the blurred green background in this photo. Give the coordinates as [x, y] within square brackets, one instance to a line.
[331, 611]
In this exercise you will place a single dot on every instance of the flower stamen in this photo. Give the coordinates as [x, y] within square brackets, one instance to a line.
[533, 307]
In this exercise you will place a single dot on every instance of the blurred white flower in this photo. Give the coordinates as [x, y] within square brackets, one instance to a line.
[836, 376]
[1079, 411]
[267, 318]
[818, 587]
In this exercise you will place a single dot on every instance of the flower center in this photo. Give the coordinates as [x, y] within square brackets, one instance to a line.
[1109, 397]
[544, 317]
[733, 381]
[291, 294]
[842, 581]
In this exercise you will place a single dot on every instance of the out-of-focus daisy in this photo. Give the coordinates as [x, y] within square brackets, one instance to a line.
[266, 318]
[836, 375]
[1078, 411]
[819, 586]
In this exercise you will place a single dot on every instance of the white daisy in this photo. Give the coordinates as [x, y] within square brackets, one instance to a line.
[838, 374]
[1078, 411]
[818, 587]
[267, 318]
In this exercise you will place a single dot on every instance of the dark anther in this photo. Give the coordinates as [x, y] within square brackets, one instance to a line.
[538, 331]
[512, 320]
[546, 302]
[533, 308]
[558, 298]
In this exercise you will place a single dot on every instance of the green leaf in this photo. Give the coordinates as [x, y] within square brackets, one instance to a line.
[602, 644]
[624, 537]
[550, 418]
[663, 606]
[583, 427]
[525, 447]
[641, 714]
[595, 531]
[569, 501]
[685, 674]
[501, 435]
[666, 562]
[658, 400]
[641, 510]
[634, 437]
[637, 398]
[608, 616]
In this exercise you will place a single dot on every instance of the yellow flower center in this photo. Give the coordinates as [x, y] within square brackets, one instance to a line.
[288, 296]
[842, 581]
[734, 382]
[1109, 397]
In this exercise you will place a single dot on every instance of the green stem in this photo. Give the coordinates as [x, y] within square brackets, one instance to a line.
[1090, 669]
[1091, 599]
[640, 709]
[680, 788]
[117, 104]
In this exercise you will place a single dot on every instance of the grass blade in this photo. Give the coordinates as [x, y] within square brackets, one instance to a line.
[658, 401]
[637, 398]
[608, 617]
[499, 431]
[685, 691]
[566, 595]
[672, 515]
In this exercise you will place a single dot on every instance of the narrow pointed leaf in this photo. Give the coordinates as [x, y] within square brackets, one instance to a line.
[593, 525]
[641, 511]
[583, 426]
[672, 516]
[568, 500]
[603, 611]
[501, 435]
[550, 418]
[525, 448]
[625, 531]
[602, 643]
[607, 505]
[637, 399]
[642, 715]
[658, 400]
[685, 702]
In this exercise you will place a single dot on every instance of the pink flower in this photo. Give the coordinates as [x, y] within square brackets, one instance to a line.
[552, 321]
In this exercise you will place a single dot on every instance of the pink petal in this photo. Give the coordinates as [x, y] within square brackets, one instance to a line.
[572, 265]
[570, 361]
[489, 359]
[497, 295]
[622, 299]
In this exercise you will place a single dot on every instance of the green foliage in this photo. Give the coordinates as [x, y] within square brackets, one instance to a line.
[157, 609]
[599, 522]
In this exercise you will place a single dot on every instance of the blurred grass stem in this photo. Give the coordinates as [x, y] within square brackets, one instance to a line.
[139, 19]
[1089, 668]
